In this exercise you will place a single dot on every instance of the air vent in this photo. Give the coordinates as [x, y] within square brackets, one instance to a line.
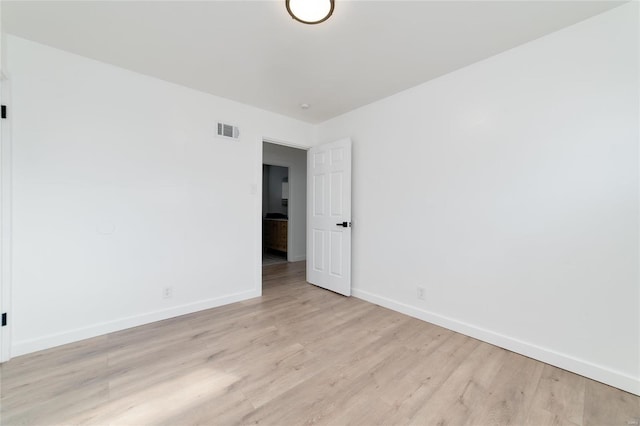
[228, 131]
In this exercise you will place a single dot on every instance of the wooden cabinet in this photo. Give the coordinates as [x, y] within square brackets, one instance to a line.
[275, 234]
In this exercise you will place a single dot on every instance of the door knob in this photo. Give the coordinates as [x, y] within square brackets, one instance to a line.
[344, 224]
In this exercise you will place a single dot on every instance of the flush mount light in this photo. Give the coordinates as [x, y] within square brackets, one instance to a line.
[310, 11]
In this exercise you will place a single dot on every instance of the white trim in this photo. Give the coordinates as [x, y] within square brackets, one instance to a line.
[297, 258]
[585, 368]
[258, 230]
[285, 143]
[70, 336]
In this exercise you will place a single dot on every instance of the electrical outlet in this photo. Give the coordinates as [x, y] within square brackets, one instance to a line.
[420, 293]
[167, 292]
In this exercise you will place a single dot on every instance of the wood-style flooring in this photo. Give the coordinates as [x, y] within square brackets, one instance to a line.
[272, 257]
[298, 355]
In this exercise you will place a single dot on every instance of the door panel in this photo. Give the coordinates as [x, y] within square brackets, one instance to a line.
[318, 250]
[329, 206]
[318, 194]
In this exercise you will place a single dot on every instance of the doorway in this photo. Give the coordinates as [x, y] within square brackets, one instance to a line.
[284, 204]
[275, 214]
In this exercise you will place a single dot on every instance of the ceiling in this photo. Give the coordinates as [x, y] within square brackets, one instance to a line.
[254, 53]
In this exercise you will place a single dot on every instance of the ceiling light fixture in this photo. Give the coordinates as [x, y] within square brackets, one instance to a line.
[310, 11]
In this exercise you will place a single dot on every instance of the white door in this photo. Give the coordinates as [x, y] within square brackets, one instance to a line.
[329, 216]
[5, 223]
[3, 355]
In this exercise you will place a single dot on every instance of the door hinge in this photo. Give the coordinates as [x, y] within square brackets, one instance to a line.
[4, 319]
[3, 111]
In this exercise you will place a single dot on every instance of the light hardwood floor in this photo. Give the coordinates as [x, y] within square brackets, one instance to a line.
[298, 355]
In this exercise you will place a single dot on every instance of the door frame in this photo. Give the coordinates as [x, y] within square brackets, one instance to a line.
[5, 220]
[257, 191]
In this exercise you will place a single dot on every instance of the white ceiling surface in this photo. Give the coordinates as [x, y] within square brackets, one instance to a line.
[254, 53]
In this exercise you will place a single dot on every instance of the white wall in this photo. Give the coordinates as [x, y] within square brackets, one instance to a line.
[509, 191]
[122, 189]
[296, 160]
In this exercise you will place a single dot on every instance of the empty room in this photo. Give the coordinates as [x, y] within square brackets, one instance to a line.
[335, 212]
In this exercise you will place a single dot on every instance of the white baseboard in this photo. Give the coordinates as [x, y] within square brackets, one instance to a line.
[584, 368]
[297, 258]
[28, 346]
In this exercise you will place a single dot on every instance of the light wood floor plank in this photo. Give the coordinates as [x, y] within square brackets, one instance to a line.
[608, 406]
[298, 355]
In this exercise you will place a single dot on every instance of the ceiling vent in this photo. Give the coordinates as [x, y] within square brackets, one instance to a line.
[228, 131]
